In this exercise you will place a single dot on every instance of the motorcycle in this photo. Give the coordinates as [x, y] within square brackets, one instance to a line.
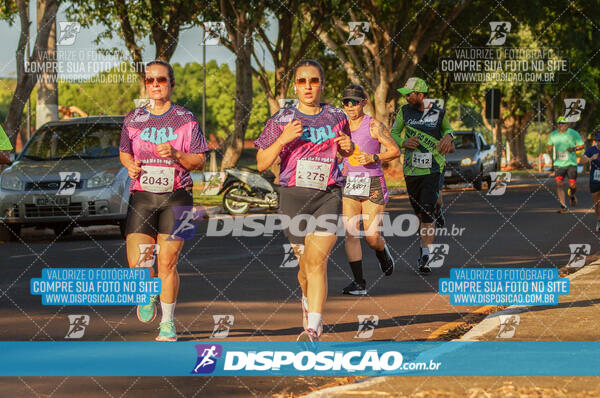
[245, 188]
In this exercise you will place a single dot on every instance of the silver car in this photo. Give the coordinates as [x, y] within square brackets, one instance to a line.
[473, 160]
[67, 175]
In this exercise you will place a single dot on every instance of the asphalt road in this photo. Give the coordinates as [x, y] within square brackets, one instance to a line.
[243, 277]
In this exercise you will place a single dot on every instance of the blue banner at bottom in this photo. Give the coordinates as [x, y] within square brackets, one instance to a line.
[245, 358]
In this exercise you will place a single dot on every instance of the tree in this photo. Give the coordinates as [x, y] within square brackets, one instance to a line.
[47, 91]
[162, 20]
[241, 20]
[295, 39]
[220, 99]
[400, 35]
[27, 78]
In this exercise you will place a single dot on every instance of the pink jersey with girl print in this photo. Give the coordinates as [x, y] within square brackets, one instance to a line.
[143, 131]
[316, 142]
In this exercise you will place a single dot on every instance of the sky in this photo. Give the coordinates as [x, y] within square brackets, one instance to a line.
[188, 50]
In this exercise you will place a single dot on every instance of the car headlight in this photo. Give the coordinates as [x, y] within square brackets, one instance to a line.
[11, 183]
[102, 179]
[466, 162]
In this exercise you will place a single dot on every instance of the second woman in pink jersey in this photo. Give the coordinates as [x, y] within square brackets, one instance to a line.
[365, 191]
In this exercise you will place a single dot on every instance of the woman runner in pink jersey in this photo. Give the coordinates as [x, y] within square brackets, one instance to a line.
[307, 138]
[365, 192]
[159, 146]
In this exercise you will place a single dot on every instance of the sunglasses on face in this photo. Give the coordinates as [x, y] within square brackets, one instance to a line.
[351, 102]
[162, 80]
[314, 81]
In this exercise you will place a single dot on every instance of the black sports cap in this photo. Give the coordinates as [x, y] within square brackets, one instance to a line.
[355, 92]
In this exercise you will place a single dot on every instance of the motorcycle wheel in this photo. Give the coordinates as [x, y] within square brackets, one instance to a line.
[232, 206]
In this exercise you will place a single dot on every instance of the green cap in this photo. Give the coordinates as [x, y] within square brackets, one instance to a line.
[414, 84]
[561, 119]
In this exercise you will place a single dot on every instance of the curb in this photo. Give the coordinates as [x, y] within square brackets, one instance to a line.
[490, 323]
[483, 327]
[330, 390]
[212, 210]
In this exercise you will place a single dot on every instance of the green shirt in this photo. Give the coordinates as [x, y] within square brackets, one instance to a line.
[562, 141]
[4, 141]
[411, 122]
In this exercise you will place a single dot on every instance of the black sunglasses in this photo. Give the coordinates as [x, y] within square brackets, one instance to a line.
[348, 102]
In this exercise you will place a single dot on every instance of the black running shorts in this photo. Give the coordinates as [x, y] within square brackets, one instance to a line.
[154, 213]
[306, 202]
[569, 171]
[423, 194]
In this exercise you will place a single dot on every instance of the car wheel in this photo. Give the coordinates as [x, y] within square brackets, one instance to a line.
[9, 232]
[488, 180]
[477, 182]
[122, 226]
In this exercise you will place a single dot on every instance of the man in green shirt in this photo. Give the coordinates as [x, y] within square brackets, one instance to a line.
[565, 142]
[426, 138]
[5, 147]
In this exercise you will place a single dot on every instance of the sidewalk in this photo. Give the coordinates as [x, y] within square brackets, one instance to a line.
[575, 318]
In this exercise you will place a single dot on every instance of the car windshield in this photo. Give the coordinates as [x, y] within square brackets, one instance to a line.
[465, 141]
[76, 141]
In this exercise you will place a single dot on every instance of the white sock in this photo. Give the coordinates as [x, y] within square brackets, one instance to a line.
[424, 251]
[305, 302]
[167, 311]
[314, 320]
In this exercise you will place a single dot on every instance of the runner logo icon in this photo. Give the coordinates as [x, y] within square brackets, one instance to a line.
[573, 109]
[508, 326]
[431, 114]
[68, 182]
[77, 325]
[143, 103]
[499, 183]
[147, 256]
[366, 326]
[214, 31]
[223, 323]
[500, 31]
[67, 33]
[357, 33]
[185, 222]
[207, 358]
[579, 252]
[213, 180]
[286, 102]
[289, 257]
[438, 254]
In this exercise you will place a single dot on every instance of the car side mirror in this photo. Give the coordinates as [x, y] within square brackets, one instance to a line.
[485, 147]
[11, 157]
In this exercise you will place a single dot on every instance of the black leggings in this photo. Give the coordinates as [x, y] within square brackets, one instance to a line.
[155, 213]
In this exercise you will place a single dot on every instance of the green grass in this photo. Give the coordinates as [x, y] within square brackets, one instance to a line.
[207, 200]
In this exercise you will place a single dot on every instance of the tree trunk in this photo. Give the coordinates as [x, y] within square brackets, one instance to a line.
[128, 35]
[243, 94]
[26, 79]
[47, 92]
[515, 135]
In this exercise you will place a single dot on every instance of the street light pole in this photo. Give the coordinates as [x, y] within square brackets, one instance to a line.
[539, 118]
[204, 81]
